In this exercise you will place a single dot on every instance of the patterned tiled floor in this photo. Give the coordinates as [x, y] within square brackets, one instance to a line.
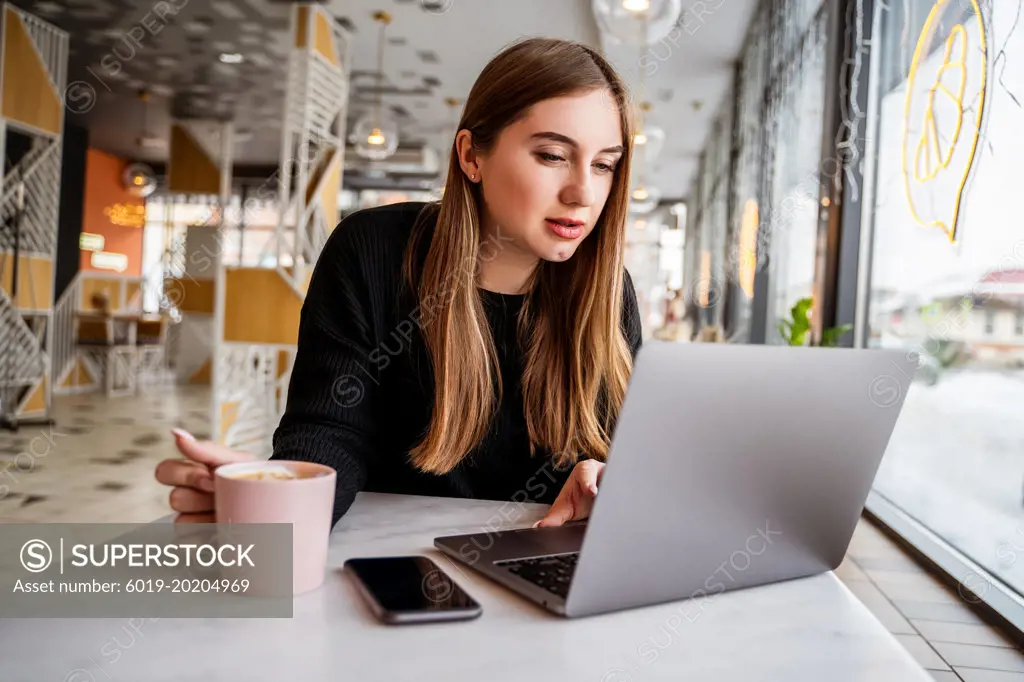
[96, 465]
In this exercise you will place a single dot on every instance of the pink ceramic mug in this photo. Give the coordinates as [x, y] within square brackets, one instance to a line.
[306, 502]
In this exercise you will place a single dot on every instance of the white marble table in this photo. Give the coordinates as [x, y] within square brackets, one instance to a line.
[811, 629]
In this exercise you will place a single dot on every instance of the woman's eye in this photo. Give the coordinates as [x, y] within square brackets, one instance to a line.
[604, 167]
[550, 157]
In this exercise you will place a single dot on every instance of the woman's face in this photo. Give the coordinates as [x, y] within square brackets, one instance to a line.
[548, 176]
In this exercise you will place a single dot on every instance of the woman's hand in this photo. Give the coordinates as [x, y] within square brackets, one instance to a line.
[192, 478]
[577, 496]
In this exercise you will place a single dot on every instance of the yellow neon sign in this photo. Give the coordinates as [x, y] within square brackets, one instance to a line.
[929, 159]
[748, 247]
[126, 215]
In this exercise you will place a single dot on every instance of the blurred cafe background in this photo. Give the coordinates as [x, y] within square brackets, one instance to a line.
[808, 172]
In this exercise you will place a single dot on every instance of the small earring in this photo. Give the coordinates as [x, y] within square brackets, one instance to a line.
[473, 177]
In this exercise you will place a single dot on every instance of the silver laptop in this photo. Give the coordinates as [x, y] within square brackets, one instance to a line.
[731, 466]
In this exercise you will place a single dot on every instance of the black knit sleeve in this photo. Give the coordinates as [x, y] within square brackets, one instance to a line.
[631, 325]
[329, 418]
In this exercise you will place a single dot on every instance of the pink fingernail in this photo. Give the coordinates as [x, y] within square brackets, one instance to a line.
[183, 434]
[593, 489]
[537, 524]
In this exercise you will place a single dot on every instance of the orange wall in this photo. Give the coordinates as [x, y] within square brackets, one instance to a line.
[103, 188]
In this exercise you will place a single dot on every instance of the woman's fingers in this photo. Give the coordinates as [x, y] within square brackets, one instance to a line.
[576, 498]
[190, 501]
[175, 472]
[206, 452]
[589, 473]
[560, 512]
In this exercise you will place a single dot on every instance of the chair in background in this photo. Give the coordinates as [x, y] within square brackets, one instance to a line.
[107, 342]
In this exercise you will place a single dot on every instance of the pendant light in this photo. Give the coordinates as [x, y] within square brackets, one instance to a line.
[643, 198]
[649, 139]
[138, 178]
[615, 19]
[376, 135]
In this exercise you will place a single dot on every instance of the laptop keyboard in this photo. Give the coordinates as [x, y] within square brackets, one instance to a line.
[553, 573]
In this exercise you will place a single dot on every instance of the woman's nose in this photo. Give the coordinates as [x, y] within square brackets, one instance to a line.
[579, 191]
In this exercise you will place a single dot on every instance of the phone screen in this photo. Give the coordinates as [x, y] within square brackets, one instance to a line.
[410, 584]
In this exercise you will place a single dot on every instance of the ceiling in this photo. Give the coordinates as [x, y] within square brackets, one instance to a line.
[433, 54]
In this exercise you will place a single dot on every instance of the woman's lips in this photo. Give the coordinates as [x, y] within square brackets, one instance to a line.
[564, 231]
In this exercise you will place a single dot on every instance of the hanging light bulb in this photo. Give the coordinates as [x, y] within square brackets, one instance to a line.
[617, 19]
[648, 139]
[376, 134]
[644, 199]
[138, 178]
[653, 142]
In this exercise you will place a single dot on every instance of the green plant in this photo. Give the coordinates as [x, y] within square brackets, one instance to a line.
[796, 331]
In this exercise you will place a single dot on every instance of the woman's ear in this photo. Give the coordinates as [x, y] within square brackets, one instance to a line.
[469, 161]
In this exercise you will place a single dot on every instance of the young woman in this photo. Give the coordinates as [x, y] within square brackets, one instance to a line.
[481, 346]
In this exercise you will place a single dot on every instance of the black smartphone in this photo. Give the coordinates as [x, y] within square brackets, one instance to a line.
[410, 589]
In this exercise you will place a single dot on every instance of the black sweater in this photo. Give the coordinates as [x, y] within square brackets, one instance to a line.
[360, 392]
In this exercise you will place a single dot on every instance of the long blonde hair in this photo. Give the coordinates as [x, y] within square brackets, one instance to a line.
[576, 361]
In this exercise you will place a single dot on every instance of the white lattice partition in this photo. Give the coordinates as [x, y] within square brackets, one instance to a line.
[313, 139]
[66, 370]
[258, 315]
[33, 71]
[255, 389]
[257, 311]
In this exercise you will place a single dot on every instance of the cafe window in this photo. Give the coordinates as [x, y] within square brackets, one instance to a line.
[946, 271]
[741, 251]
[793, 128]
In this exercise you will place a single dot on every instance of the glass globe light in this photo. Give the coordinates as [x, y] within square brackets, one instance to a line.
[376, 137]
[621, 20]
[643, 199]
[649, 141]
[139, 180]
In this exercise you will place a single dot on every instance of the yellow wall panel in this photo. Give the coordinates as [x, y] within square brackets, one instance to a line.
[37, 401]
[228, 415]
[35, 280]
[28, 93]
[321, 169]
[329, 193]
[93, 285]
[303, 22]
[190, 170]
[133, 295]
[324, 39]
[282, 363]
[260, 307]
[71, 378]
[192, 295]
[78, 376]
[202, 375]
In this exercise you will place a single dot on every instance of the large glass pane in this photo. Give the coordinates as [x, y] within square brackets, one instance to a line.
[741, 253]
[947, 269]
[794, 133]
